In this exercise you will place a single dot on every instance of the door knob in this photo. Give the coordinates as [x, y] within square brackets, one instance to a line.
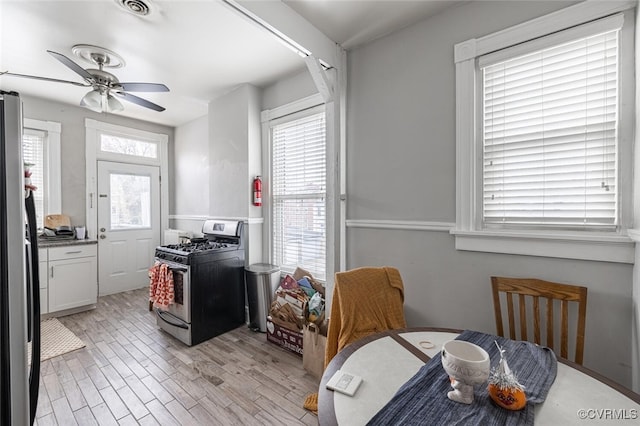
[102, 236]
[102, 229]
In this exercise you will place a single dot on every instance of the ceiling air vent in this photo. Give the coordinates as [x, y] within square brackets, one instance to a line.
[137, 7]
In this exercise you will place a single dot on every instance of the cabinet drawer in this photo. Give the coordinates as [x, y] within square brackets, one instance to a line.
[42, 255]
[72, 252]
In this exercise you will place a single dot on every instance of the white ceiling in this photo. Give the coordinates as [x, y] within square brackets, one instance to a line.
[199, 49]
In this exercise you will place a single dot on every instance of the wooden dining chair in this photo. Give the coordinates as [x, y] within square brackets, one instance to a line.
[532, 293]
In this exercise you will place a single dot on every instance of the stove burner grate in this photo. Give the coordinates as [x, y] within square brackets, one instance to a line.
[196, 247]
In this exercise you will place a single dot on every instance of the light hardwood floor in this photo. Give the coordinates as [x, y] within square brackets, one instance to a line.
[131, 373]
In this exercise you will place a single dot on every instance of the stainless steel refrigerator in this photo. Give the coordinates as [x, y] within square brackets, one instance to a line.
[19, 281]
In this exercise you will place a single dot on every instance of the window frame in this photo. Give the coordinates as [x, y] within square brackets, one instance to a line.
[570, 244]
[298, 109]
[53, 178]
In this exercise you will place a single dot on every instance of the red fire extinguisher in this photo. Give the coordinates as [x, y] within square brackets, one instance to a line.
[257, 191]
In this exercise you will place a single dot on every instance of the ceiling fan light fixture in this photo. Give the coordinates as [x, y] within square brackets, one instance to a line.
[114, 105]
[99, 102]
[92, 101]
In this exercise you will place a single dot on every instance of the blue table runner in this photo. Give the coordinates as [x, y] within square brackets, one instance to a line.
[423, 399]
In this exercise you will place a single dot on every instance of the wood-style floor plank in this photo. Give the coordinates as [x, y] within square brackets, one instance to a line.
[133, 373]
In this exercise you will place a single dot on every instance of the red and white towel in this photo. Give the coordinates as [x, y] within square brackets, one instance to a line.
[161, 291]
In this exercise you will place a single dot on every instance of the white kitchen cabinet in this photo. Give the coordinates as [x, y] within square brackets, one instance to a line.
[72, 277]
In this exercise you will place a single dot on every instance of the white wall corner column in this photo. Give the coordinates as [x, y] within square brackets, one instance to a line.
[235, 159]
[635, 328]
[635, 233]
[331, 85]
[326, 62]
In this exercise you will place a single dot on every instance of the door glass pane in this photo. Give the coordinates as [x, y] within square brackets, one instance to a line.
[130, 201]
[120, 145]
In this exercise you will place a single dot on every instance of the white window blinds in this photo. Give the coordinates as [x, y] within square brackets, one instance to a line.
[33, 151]
[298, 185]
[549, 126]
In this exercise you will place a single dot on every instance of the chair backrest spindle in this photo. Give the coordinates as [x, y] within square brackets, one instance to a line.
[512, 316]
[536, 320]
[523, 316]
[550, 322]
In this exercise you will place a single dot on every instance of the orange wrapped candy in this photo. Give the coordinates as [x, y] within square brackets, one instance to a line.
[504, 388]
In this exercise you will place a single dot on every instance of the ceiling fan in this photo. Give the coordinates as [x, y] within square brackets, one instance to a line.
[105, 86]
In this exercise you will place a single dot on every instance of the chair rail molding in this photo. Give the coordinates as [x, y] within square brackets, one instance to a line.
[411, 225]
[249, 220]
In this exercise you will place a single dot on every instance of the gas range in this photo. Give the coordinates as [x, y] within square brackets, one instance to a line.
[208, 277]
[219, 236]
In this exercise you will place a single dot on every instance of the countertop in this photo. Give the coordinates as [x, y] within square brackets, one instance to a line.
[52, 242]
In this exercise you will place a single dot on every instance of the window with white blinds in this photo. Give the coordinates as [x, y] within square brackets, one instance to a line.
[298, 194]
[550, 136]
[33, 143]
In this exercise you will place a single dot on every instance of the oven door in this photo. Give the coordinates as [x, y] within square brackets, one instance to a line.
[181, 308]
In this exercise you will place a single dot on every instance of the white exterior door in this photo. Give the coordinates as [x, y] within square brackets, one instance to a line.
[128, 224]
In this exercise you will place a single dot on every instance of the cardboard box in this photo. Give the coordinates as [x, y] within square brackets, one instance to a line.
[288, 339]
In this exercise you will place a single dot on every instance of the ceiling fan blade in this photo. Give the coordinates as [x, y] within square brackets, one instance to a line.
[75, 83]
[136, 100]
[69, 63]
[144, 87]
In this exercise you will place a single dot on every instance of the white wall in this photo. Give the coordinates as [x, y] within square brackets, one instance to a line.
[72, 146]
[291, 88]
[190, 175]
[401, 166]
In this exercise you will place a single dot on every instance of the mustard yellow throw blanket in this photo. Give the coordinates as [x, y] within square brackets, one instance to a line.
[365, 301]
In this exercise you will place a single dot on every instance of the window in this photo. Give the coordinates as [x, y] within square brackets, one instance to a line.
[41, 151]
[549, 127]
[545, 138]
[298, 192]
[127, 146]
[130, 201]
[33, 142]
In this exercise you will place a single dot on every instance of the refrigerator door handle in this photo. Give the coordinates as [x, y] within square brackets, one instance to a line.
[34, 301]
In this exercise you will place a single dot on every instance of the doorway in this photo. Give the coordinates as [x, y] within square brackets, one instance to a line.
[128, 224]
[132, 163]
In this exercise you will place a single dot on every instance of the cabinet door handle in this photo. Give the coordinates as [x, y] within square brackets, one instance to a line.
[52, 272]
[73, 252]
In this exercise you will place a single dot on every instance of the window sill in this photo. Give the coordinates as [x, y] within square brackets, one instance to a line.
[569, 245]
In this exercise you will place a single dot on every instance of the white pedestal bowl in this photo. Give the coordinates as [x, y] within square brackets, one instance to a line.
[467, 365]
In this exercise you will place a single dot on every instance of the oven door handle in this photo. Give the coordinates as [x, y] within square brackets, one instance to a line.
[172, 269]
[167, 318]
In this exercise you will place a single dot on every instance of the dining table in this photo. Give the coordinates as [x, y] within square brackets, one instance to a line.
[387, 360]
